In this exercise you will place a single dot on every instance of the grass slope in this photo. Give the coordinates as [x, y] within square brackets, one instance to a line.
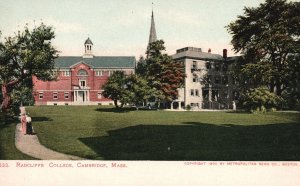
[103, 133]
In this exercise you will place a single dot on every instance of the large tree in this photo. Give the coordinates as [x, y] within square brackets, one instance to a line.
[163, 73]
[125, 89]
[267, 37]
[28, 53]
[139, 88]
[117, 90]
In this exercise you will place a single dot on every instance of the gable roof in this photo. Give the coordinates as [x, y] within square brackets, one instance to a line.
[96, 61]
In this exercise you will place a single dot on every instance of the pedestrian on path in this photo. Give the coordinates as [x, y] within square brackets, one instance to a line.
[23, 123]
[23, 119]
[28, 125]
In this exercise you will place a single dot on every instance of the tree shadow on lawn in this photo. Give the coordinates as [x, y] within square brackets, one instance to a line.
[199, 141]
[115, 110]
[238, 112]
[41, 119]
[123, 110]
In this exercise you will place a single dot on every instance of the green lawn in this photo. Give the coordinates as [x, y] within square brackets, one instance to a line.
[8, 149]
[102, 133]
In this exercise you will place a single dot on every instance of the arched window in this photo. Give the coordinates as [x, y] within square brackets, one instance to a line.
[82, 72]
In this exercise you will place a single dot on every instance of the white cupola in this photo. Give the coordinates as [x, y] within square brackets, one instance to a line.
[88, 53]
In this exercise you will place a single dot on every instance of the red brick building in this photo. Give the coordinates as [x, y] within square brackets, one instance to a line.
[81, 78]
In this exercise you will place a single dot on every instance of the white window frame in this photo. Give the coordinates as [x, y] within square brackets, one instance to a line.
[111, 72]
[82, 80]
[99, 72]
[55, 93]
[66, 73]
[66, 95]
[41, 95]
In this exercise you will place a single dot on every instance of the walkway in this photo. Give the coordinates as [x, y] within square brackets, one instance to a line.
[30, 145]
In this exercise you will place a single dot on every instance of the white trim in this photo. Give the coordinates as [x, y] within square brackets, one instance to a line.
[41, 93]
[67, 93]
[52, 90]
[56, 95]
[99, 73]
[79, 103]
[80, 62]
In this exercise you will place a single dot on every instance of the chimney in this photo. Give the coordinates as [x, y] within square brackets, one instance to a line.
[209, 50]
[224, 53]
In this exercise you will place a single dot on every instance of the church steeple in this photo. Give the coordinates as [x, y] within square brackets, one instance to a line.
[152, 36]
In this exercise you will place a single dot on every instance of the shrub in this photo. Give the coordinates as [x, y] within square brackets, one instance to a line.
[261, 100]
[188, 107]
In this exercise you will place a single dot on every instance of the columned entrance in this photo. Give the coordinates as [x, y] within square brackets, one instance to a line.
[81, 96]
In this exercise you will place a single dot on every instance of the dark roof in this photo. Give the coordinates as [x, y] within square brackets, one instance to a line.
[88, 41]
[196, 53]
[97, 61]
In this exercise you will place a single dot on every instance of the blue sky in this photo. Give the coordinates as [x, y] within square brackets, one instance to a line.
[121, 27]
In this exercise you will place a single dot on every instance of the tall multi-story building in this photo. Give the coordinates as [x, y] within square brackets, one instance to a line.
[80, 78]
[208, 84]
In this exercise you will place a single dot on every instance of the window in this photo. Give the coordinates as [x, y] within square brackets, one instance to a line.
[82, 83]
[41, 95]
[99, 95]
[55, 95]
[208, 65]
[111, 72]
[194, 65]
[195, 78]
[99, 73]
[66, 73]
[66, 95]
[205, 94]
[197, 92]
[192, 92]
[82, 72]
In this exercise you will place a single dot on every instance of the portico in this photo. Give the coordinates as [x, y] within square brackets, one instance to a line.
[81, 95]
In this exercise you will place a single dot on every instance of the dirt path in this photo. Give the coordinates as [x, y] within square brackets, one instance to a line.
[30, 145]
